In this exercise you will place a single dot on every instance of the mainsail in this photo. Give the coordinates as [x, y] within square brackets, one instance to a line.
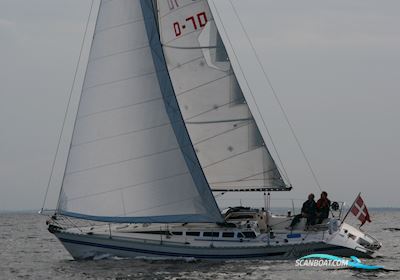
[228, 143]
[127, 162]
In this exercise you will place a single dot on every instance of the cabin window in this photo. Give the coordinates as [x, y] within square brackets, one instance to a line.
[249, 234]
[177, 233]
[211, 234]
[240, 235]
[228, 234]
[154, 232]
[192, 233]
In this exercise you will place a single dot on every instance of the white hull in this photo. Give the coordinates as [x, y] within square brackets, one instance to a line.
[84, 246]
[243, 239]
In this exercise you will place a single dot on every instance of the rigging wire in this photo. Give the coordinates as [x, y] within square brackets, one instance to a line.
[278, 100]
[67, 108]
[285, 174]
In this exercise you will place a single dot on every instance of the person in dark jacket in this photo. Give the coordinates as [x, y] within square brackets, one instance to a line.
[323, 206]
[307, 211]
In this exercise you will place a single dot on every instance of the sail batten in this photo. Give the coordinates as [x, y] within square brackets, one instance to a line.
[225, 135]
[126, 162]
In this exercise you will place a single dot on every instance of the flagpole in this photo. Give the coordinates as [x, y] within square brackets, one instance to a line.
[351, 207]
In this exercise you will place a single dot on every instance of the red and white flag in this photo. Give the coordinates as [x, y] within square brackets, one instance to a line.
[359, 209]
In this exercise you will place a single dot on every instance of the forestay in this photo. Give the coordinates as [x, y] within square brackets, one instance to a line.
[125, 163]
[227, 140]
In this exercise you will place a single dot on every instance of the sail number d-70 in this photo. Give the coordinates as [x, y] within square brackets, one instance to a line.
[198, 21]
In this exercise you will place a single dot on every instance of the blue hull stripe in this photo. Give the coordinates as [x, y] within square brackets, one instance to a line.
[151, 252]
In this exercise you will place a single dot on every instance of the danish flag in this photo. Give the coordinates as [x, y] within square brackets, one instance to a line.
[359, 209]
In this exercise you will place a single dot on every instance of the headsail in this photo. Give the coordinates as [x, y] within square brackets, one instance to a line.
[126, 163]
[224, 133]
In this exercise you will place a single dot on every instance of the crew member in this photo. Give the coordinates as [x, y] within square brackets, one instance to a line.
[307, 211]
[323, 206]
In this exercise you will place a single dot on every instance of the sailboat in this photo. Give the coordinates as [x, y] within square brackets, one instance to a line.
[167, 118]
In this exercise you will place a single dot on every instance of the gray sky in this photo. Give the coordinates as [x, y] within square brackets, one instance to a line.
[334, 64]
